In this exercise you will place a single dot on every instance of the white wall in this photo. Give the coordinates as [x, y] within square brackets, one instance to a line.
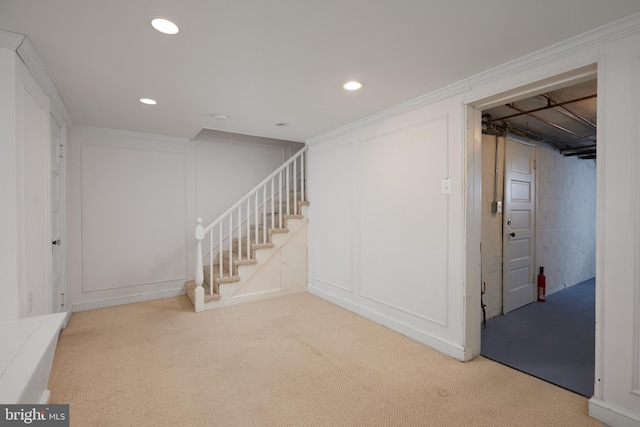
[382, 233]
[34, 204]
[132, 203]
[449, 320]
[492, 225]
[9, 304]
[228, 169]
[25, 259]
[566, 220]
[617, 391]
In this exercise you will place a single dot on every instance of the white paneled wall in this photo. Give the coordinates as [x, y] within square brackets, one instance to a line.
[384, 238]
[332, 215]
[404, 220]
[133, 200]
[133, 216]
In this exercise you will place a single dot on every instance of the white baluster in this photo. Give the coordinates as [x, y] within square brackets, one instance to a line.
[295, 187]
[248, 228]
[240, 232]
[211, 255]
[302, 180]
[230, 245]
[199, 267]
[288, 178]
[280, 199]
[220, 249]
[264, 214]
[255, 218]
[273, 219]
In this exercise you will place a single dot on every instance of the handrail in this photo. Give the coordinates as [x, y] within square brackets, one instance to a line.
[252, 210]
[255, 189]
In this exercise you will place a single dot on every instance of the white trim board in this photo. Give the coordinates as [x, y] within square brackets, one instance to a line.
[612, 415]
[140, 297]
[447, 348]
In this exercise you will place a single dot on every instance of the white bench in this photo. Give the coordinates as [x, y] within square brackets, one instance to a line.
[27, 347]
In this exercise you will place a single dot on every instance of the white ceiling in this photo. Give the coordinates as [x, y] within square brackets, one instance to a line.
[262, 62]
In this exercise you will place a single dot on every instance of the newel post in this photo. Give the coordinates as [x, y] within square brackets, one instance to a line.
[199, 277]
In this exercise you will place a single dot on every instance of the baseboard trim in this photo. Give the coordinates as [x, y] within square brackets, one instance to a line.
[449, 349]
[259, 296]
[612, 415]
[67, 317]
[110, 302]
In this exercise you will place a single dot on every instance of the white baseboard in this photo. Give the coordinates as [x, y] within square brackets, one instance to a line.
[258, 296]
[67, 317]
[449, 349]
[110, 302]
[613, 415]
[45, 397]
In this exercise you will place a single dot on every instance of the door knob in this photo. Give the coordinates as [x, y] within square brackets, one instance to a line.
[56, 242]
[512, 234]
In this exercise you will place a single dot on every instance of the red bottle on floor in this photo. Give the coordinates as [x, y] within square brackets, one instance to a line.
[542, 285]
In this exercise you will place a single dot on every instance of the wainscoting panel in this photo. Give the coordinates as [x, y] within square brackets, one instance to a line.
[133, 217]
[404, 220]
[331, 209]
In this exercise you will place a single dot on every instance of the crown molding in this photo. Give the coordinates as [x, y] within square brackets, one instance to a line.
[29, 56]
[10, 40]
[580, 43]
[129, 135]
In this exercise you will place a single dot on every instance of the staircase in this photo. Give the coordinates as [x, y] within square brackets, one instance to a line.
[235, 253]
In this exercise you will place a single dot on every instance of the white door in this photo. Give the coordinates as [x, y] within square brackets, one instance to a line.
[519, 226]
[57, 183]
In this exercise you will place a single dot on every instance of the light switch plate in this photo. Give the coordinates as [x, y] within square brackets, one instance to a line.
[446, 186]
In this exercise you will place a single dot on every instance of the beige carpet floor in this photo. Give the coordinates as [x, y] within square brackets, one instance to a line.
[291, 361]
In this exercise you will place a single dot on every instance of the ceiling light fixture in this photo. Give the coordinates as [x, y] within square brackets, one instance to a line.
[148, 101]
[281, 124]
[352, 85]
[165, 26]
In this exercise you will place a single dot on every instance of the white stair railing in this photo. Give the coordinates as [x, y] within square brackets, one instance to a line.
[250, 226]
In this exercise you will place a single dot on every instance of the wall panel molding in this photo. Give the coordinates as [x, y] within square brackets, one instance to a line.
[331, 216]
[636, 286]
[134, 195]
[404, 240]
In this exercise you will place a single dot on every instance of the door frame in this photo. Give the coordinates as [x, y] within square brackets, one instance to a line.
[473, 105]
[55, 115]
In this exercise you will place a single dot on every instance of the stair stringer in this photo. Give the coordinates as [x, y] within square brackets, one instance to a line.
[231, 293]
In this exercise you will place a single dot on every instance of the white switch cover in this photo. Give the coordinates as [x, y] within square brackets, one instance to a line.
[446, 186]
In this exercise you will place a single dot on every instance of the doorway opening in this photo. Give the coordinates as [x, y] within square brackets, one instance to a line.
[538, 210]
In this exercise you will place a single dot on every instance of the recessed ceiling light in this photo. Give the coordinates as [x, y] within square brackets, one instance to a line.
[165, 26]
[148, 101]
[352, 85]
[281, 124]
[221, 117]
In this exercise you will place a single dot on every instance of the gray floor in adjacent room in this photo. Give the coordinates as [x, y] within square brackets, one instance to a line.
[552, 340]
